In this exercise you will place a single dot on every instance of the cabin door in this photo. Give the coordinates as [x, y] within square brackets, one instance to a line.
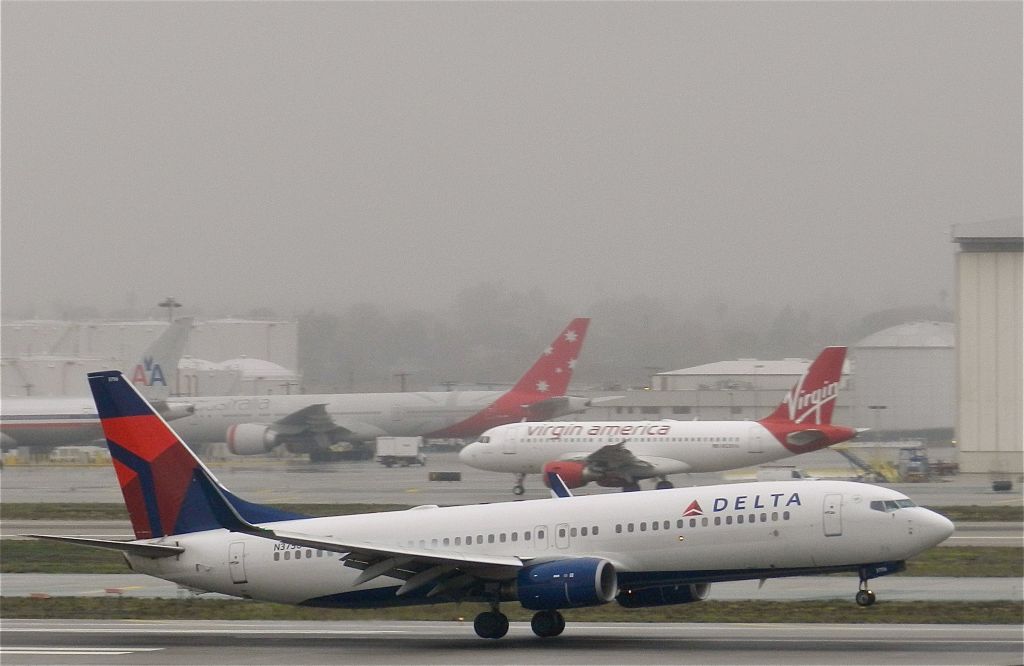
[832, 516]
[236, 561]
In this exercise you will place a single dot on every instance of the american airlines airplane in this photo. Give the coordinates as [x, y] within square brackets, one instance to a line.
[323, 425]
[45, 423]
[621, 453]
[637, 549]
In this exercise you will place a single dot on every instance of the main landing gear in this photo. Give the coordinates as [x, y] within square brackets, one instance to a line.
[517, 489]
[865, 597]
[663, 484]
[491, 624]
[494, 623]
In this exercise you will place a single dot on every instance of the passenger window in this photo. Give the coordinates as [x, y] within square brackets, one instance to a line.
[458, 541]
[643, 526]
[704, 522]
[667, 524]
[594, 531]
[515, 536]
[446, 541]
[654, 525]
[618, 529]
[490, 538]
[629, 528]
[540, 534]
[277, 556]
[728, 520]
[739, 519]
[572, 531]
[502, 537]
[785, 515]
[479, 538]
[526, 536]
[287, 554]
[764, 517]
[583, 531]
[775, 516]
[718, 520]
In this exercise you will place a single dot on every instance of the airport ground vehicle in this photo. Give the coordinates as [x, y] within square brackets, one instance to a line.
[400, 451]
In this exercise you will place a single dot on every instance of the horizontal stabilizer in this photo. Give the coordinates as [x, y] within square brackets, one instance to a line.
[131, 547]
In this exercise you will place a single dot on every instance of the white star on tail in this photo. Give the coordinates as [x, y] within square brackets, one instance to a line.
[542, 386]
[570, 336]
[549, 351]
[572, 364]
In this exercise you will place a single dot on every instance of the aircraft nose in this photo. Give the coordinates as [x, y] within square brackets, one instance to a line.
[937, 528]
[468, 452]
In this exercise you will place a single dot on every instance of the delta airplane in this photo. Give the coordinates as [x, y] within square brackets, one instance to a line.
[621, 453]
[325, 425]
[45, 423]
[637, 549]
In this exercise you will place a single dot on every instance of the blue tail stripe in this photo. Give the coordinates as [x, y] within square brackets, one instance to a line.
[145, 474]
[114, 398]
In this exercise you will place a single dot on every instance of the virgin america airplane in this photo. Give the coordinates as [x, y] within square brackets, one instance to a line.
[621, 453]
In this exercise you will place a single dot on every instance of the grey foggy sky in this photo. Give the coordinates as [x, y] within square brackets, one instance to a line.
[295, 155]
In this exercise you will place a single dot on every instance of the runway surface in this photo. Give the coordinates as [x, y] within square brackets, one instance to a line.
[218, 642]
[299, 481]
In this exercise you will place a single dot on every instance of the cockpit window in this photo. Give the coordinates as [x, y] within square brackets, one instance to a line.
[891, 505]
[484, 439]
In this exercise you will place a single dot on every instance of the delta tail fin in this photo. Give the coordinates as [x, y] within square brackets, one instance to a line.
[166, 488]
[813, 398]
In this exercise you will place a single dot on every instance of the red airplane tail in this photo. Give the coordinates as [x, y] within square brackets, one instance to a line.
[550, 375]
[813, 398]
[803, 420]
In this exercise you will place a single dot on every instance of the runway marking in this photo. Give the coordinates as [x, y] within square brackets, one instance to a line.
[93, 651]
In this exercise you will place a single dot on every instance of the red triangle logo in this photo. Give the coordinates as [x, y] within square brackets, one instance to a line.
[693, 510]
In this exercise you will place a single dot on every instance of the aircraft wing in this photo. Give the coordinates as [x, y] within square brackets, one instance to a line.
[417, 566]
[315, 419]
[618, 460]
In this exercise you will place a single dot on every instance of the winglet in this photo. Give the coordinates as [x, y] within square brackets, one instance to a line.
[557, 485]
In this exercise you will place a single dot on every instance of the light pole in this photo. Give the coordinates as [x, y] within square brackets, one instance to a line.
[170, 304]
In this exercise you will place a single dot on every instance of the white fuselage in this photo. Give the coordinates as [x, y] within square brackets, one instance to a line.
[679, 446]
[47, 422]
[742, 530]
[369, 415]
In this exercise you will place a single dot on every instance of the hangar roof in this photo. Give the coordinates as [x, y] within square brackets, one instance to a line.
[915, 334]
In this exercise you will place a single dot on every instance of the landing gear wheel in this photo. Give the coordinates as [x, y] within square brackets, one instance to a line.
[490, 624]
[865, 597]
[547, 623]
[664, 484]
[631, 487]
[517, 490]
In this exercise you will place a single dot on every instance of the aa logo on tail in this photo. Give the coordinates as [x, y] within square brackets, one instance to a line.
[149, 373]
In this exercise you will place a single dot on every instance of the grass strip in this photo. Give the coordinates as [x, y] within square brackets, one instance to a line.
[888, 612]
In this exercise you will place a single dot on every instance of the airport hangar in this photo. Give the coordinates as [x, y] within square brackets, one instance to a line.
[990, 360]
[899, 382]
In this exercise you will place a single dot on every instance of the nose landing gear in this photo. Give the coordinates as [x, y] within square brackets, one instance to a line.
[517, 489]
[864, 597]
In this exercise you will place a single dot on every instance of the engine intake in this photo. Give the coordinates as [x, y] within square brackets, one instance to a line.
[584, 581]
[574, 474]
[250, 439]
[666, 595]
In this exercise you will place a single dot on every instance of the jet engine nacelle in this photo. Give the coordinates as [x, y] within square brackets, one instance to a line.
[250, 439]
[667, 595]
[574, 474]
[584, 581]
